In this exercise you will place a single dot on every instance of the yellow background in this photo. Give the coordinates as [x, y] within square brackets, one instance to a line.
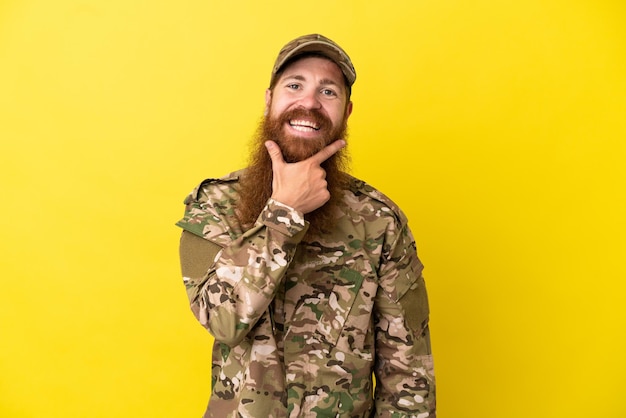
[498, 126]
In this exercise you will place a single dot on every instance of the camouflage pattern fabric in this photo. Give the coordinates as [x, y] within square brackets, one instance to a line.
[301, 323]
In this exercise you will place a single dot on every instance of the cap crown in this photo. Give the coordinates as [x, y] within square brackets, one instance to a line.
[315, 43]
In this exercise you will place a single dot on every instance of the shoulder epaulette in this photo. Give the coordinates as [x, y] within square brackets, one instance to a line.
[360, 186]
[195, 193]
[207, 210]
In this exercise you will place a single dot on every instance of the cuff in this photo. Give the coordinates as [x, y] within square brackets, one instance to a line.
[282, 218]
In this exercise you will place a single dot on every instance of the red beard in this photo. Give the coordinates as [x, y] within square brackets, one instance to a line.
[256, 183]
[295, 148]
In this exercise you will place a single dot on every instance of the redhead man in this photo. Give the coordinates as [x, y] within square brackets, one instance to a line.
[307, 278]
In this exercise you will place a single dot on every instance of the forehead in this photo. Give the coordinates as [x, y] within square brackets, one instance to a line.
[318, 67]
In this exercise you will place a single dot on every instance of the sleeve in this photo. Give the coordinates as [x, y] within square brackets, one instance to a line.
[231, 291]
[405, 381]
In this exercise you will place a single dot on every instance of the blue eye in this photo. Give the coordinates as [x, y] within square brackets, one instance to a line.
[328, 92]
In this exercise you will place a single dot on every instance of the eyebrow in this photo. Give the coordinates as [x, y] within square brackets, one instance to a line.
[323, 82]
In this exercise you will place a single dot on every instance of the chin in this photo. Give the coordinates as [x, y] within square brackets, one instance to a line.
[298, 149]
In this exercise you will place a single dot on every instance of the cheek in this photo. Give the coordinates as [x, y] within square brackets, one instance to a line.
[276, 109]
[337, 116]
[278, 105]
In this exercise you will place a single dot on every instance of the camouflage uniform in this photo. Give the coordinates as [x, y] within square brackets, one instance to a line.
[300, 324]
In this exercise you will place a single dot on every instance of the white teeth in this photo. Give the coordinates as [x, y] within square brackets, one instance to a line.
[304, 126]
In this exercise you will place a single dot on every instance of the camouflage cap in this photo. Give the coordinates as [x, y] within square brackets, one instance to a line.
[317, 44]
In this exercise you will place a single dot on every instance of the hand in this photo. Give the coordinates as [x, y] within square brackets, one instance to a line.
[301, 185]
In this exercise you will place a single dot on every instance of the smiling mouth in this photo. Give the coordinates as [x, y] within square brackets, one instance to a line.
[304, 125]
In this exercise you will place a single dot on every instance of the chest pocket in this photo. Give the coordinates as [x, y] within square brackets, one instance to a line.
[339, 303]
[324, 299]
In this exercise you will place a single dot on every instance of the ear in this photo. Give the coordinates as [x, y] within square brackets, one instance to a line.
[348, 109]
[268, 100]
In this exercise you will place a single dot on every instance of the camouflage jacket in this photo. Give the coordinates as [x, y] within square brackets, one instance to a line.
[300, 325]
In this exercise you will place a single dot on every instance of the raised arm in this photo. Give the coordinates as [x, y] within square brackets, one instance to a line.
[231, 287]
[231, 283]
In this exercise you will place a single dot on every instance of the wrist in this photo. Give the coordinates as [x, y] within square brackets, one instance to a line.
[282, 217]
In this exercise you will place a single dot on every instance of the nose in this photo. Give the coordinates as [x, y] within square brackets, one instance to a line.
[310, 100]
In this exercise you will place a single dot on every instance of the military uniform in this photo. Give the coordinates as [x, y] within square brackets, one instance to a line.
[301, 323]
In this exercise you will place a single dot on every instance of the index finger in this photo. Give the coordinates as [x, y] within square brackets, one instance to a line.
[328, 151]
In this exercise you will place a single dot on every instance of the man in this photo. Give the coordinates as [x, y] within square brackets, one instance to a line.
[307, 278]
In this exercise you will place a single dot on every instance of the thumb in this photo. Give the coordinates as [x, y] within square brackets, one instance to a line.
[275, 153]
